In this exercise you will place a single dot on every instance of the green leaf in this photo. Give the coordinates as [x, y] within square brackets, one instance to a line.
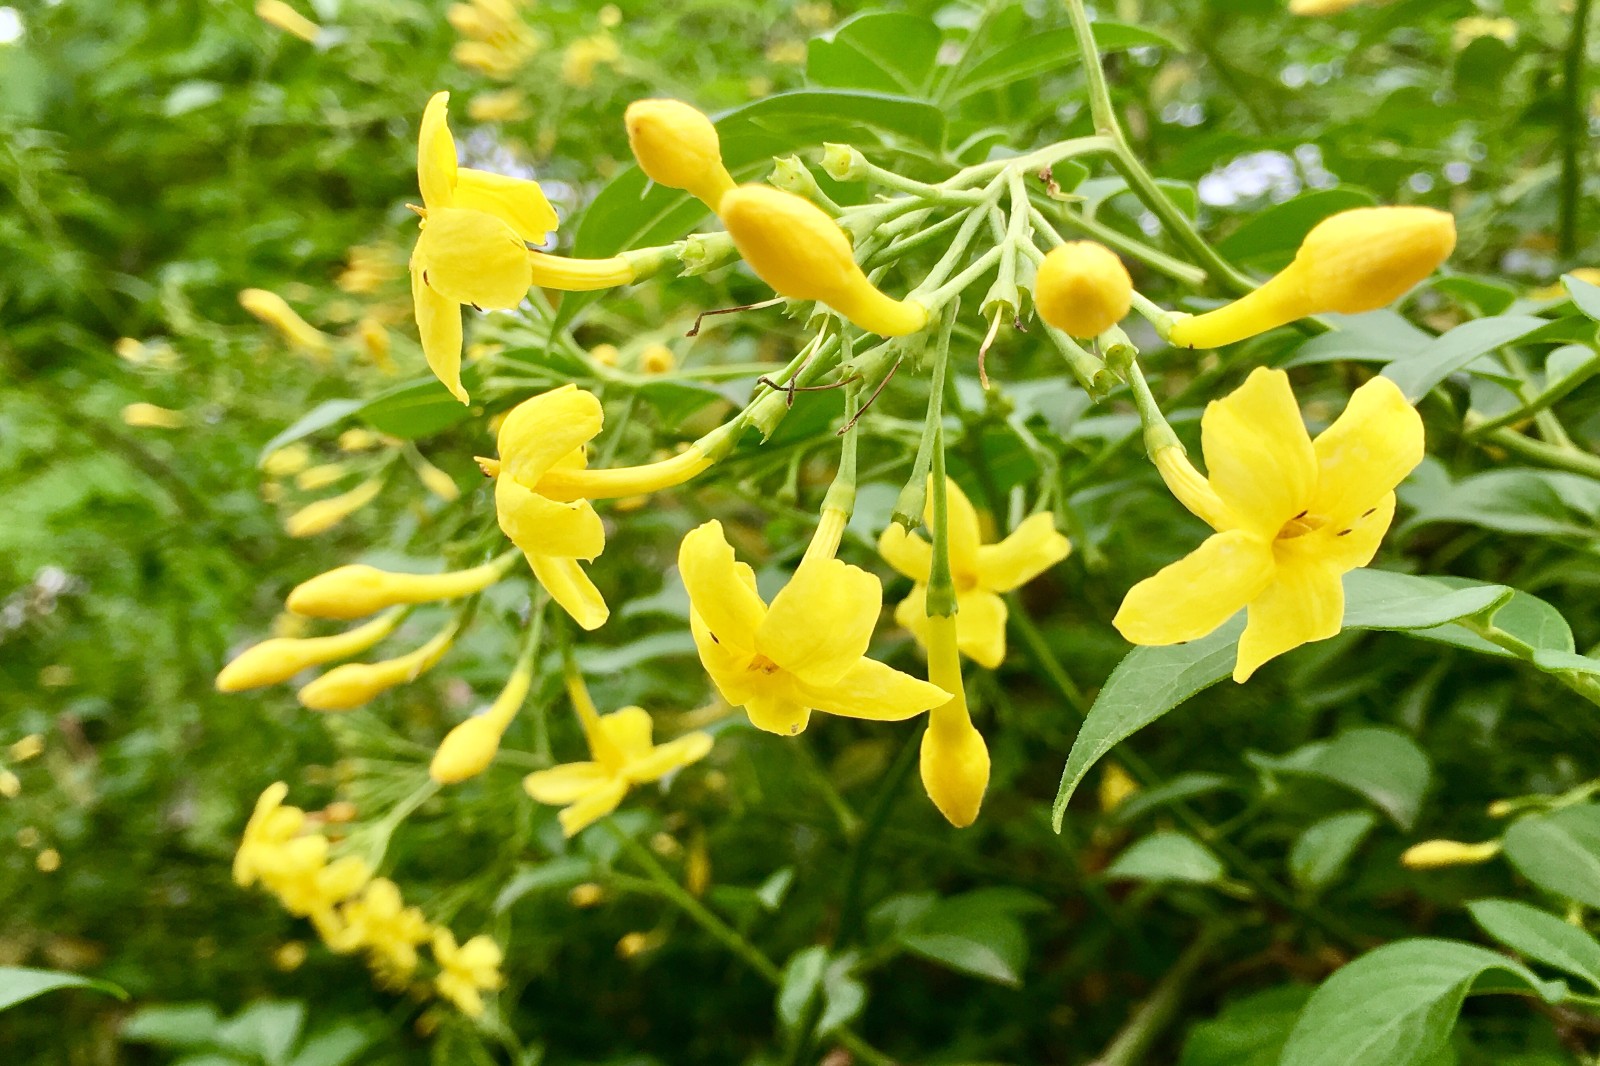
[1279, 229]
[888, 52]
[178, 1025]
[320, 417]
[1041, 53]
[1383, 599]
[1167, 856]
[414, 409]
[977, 933]
[1146, 684]
[1173, 790]
[337, 1045]
[1585, 297]
[1559, 851]
[1321, 852]
[553, 875]
[1395, 1006]
[1484, 296]
[1533, 502]
[1374, 337]
[1383, 765]
[802, 980]
[1524, 616]
[21, 983]
[1540, 936]
[267, 1029]
[1248, 1032]
[1418, 374]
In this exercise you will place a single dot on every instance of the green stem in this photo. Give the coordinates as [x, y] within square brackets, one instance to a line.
[1585, 685]
[850, 909]
[1573, 128]
[1477, 427]
[1132, 1044]
[1551, 455]
[908, 507]
[1176, 269]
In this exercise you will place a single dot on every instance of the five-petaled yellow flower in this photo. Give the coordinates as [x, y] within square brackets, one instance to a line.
[806, 652]
[466, 971]
[623, 757]
[980, 571]
[1292, 516]
[476, 228]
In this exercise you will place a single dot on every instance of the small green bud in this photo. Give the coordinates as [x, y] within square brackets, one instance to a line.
[843, 163]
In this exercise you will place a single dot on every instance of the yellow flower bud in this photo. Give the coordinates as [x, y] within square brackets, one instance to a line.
[1321, 7]
[275, 311]
[656, 359]
[1116, 786]
[604, 354]
[796, 248]
[435, 480]
[320, 476]
[677, 146]
[466, 751]
[1434, 854]
[1083, 289]
[49, 861]
[358, 440]
[149, 416]
[29, 747]
[279, 14]
[290, 459]
[954, 758]
[375, 342]
[632, 945]
[357, 590]
[344, 688]
[281, 658]
[587, 894]
[10, 784]
[502, 106]
[1355, 261]
[323, 515]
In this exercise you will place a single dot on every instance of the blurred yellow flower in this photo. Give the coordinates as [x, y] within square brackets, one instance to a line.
[465, 972]
[320, 476]
[275, 311]
[379, 923]
[280, 658]
[806, 652]
[368, 267]
[1437, 854]
[286, 461]
[786, 53]
[1470, 29]
[323, 515]
[1322, 7]
[279, 14]
[656, 359]
[149, 416]
[498, 42]
[352, 685]
[981, 573]
[502, 106]
[580, 59]
[1292, 516]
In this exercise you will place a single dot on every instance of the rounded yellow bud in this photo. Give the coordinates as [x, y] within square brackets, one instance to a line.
[48, 861]
[604, 354]
[466, 751]
[657, 359]
[1355, 261]
[288, 460]
[1435, 854]
[954, 757]
[1083, 289]
[677, 146]
[793, 246]
[587, 894]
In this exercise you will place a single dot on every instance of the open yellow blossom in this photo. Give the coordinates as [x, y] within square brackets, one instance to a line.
[357, 590]
[467, 971]
[794, 246]
[677, 146]
[1354, 261]
[275, 311]
[805, 652]
[280, 658]
[344, 688]
[954, 760]
[622, 756]
[981, 573]
[315, 891]
[1292, 516]
[271, 826]
[379, 923]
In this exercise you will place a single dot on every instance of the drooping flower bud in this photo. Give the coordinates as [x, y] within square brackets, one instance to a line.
[323, 515]
[357, 590]
[796, 248]
[281, 658]
[275, 311]
[344, 688]
[1355, 261]
[1083, 289]
[677, 146]
[279, 14]
[954, 758]
[466, 751]
[1437, 854]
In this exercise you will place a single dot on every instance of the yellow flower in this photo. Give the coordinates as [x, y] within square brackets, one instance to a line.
[367, 268]
[323, 515]
[980, 571]
[275, 311]
[271, 826]
[315, 892]
[1083, 289]
[380, 922]
[622, 757]
[375, 343]
[677, 146]
[29, 747]
[954, 759]
[1437, 854]
[352, 685]
[320, 476]
[1470, 29]
[469, 748]
[1292, 517]
[279, 14]
[281, 658]
[581, 57]
[149, 416]
[796, 248]
[499, 43]
[357, 590]
[502, 106]
[806, 652]
[1559, 291]
[466, 971]
[1321, 7]
[657, 359]
[287, 461]
[1354, 261]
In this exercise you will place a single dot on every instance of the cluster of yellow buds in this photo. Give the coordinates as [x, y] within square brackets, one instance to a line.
[496, 41]
[352, 910]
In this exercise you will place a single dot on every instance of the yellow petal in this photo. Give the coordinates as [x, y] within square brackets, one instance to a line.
[517, 202]
[906, 551]
[911, 613]
[1258, 454]
[1305, 602]
[543, 527]
[439, 325]
[591, 808]
[436, 154]
[778, 713]
[474, 258]
[981, 627]
[1032, 548]
[569, 586]
[722, 590]
[629, 730]
[565, 784]
[673, 755]
[1346, 547]
[1196, 594]
[966, 536]
[543, 431]
[727, 664]
[874, 691]
[822, 620]
[1367, 451]
[955, 770]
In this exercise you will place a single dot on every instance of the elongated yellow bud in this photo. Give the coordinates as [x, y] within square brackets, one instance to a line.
[320, 476]
[469, 748]
[579, 275]
[323, 515]
[149, 416]
[1355, 261]
[1436, 854]
[796, 248]
[357, 590]
[955, 760]
[344, 688]
[677, 146]
[1322, 7]
[565, 483]
[275, 311]
[279, 14]
[1083, 289]
[279, 659]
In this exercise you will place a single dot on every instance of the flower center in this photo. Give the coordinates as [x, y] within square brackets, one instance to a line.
[763, 664]
[1300, 525]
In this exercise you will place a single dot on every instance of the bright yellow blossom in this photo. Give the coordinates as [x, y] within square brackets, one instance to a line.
[1083, 288]
[1354, 261]
[677, 146]
[622, 756]
[344, 688]
[981, 573]
[357, 590]
[465, 972]
[806, 652]
[275, 311]
[796, 248]
[379, 923]
[1292, 517]
[281, 658]
[271, 826]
